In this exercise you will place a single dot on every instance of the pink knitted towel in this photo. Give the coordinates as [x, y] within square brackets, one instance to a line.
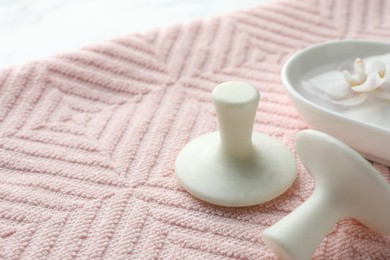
[88, 139]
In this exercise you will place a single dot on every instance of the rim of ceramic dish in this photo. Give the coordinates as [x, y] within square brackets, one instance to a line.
[293, 91]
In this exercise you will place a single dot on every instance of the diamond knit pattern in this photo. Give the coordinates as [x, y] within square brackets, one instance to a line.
[88, 139]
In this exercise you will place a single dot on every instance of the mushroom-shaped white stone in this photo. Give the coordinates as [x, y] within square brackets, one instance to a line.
[346, 186]
[235, 167]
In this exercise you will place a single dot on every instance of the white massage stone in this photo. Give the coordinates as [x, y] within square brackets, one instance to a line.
[346, 186]
[235, 167]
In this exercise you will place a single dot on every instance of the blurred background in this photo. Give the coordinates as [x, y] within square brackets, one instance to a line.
[35, 29]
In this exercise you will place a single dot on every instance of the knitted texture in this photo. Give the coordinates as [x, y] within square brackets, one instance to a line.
[88, 139]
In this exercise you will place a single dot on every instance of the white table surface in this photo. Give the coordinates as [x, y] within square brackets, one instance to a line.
[35, 29]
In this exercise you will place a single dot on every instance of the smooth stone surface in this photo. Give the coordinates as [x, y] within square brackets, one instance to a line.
[346, 186]
[205, 172]
[235, 167]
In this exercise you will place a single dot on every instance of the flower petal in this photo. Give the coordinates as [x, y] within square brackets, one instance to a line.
[352, 101]
[348, 77]
[311, 89]
[373, 81]
[384, 95]
[331, 83]
[379, 67]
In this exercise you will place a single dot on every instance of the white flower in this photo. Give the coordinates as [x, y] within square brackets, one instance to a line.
[351, 89]
[360, 73]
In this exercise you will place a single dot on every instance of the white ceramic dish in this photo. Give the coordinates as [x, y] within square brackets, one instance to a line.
[370, 139]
